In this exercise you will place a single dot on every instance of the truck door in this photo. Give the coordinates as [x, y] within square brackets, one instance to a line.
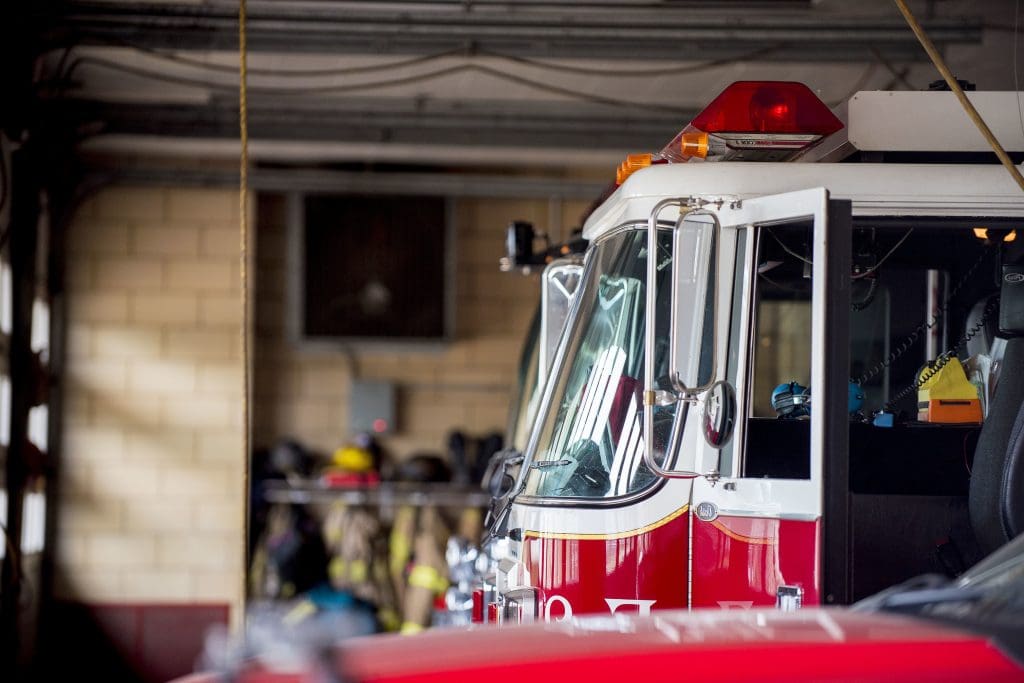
[759, 530]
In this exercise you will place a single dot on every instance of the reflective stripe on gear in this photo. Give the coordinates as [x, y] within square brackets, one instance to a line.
[424, 576]
[301, 611]
[355, 571]
[401, 549]
[336, 568]
[410, 627]
[389, 619]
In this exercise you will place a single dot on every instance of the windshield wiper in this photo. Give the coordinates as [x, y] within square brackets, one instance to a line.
[543, 464]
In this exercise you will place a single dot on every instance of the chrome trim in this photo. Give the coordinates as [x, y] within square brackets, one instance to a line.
[578, 502]
[687, 206]
[521, 602]
[767, 514]
[789, 598]
[572, 263]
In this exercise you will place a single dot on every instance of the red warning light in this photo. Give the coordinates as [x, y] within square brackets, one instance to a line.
[770, 112]
[380, 425]
[767, 107]
[755, 121]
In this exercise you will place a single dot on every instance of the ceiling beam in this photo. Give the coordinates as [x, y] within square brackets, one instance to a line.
[297, 179]
[597, 32]
[392, 121]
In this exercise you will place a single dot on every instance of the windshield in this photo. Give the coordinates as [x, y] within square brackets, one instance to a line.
[591, 442]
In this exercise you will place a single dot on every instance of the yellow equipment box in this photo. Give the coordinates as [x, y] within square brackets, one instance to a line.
[947, 396]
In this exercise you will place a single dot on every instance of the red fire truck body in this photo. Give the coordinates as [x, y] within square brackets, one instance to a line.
[760, 269]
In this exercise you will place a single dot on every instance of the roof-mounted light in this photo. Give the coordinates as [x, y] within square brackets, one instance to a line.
[632, 164]
[755, 121]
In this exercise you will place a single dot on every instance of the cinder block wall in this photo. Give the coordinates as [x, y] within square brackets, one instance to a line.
[304, 394]
[153, 474]
[153, 481]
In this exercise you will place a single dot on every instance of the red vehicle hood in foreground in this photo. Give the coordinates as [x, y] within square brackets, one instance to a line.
[728, 646]
[719, 646]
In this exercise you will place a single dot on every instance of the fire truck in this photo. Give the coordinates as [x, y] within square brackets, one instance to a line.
[793, 371]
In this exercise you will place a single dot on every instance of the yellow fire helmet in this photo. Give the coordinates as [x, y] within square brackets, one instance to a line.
[353, 459]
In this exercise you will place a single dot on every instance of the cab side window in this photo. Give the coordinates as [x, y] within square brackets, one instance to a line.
[777, 434]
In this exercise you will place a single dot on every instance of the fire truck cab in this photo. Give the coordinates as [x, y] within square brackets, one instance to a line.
[782, 382]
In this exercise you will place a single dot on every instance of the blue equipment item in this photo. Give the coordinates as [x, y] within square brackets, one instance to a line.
[855, 398]
[791, 400]
[883, 419]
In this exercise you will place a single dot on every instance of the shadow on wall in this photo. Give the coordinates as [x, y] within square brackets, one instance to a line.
[143, 643]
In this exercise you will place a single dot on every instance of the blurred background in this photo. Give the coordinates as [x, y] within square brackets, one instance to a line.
[389, 146]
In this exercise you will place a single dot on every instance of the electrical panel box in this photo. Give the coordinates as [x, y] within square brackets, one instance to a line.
[372, 407]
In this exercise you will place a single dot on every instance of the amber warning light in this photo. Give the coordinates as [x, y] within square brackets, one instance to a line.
[755, 121]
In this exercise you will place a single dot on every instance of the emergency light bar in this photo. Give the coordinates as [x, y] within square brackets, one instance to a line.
[748, 121]
[755, 121]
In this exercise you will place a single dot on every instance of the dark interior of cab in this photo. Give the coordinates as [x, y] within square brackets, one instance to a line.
[924, 495]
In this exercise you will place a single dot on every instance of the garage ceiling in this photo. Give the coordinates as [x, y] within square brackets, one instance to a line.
[473, 82]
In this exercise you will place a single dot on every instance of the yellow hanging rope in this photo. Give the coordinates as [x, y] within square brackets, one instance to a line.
[243, 212]
[940, 64]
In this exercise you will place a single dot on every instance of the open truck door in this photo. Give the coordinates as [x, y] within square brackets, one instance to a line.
[765, 497]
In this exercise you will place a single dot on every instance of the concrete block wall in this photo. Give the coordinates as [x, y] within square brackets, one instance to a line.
[304, 394]
[153, 482]
[152, 506]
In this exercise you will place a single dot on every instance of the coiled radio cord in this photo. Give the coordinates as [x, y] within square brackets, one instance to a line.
[944, 358]
[907, 342]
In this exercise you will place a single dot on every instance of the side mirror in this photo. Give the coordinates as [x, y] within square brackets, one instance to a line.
[718, 420]
[694, 250]
[559, 283]
[694, 292]
[500, 483]
[497, 479]
[519, 238]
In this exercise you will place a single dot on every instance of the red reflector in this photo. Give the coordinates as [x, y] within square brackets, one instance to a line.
[478, 606]
[767, 107]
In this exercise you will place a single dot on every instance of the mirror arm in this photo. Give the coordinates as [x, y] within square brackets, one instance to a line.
[675, 438]
[663, 397]
[650, 394]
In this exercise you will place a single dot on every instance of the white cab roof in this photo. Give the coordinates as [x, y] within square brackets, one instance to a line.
[875, 189]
